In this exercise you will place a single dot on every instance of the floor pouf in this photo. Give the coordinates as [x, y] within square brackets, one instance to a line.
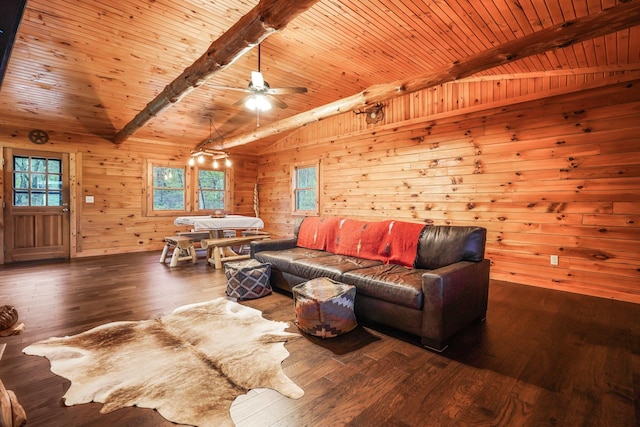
[324, 307]
[247, 279]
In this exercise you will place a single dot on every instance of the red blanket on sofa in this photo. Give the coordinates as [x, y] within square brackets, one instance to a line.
[388, 241]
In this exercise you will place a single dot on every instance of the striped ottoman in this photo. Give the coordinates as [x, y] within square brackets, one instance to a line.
[247, 279]
[324, 307]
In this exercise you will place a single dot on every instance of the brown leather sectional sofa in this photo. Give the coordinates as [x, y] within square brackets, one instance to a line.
[443, 289]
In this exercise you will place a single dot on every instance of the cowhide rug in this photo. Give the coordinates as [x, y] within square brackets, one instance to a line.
[189, 365]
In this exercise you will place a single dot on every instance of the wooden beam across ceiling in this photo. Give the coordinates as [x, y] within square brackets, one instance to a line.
[620, 17]
[266, 18]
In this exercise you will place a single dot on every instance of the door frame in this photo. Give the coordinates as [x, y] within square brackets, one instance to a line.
[75, 162]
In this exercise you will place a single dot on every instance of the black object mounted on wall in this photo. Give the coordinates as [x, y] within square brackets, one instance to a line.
[10, 16]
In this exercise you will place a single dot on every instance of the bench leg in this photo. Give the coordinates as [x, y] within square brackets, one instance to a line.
[217, 256]
[194, 256]
[165, 251]
[174, 257]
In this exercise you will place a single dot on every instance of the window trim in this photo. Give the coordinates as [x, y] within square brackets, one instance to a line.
[191, 206]
[196, 202]
[303, 165]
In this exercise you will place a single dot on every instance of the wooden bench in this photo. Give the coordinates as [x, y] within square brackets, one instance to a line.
[219, 250]
[183, 250]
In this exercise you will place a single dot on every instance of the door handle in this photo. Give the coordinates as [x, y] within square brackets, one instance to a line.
[65, 209]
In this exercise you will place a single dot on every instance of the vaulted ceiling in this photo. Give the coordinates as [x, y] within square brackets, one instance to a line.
[89, 66]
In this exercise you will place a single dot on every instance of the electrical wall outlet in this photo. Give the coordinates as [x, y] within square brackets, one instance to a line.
[88, 199]
[553, 259]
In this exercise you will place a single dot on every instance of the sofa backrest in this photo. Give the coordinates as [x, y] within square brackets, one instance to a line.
[441, 245]
[437, 245]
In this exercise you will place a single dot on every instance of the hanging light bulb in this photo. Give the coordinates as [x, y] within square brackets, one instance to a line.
[200, 159]
[215, 164]
[258, 102]
[227, 162]
[192, 161]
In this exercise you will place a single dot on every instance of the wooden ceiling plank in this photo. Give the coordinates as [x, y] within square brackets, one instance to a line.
[267, 17]
[430, 35]
[386, 30]
[614, 19]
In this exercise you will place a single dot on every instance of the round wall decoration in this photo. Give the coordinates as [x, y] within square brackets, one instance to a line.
[38, 136]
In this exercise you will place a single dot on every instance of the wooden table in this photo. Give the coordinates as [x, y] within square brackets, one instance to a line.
[215, 225]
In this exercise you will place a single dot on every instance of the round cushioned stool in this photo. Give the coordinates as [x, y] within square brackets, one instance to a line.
[247, 279]
[324, 307]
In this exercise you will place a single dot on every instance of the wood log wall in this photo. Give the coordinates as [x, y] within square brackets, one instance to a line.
[546, 175]
[557, 175]
[116, 177]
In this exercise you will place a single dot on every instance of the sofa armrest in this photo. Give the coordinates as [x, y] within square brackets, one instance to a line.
[272, 245]
[454, 296]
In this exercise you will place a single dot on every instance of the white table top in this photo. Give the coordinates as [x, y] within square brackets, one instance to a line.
[234, 222]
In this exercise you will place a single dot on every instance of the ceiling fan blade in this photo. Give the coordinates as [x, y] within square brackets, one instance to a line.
[241, 101]
[286, 90]
[237, 89]
[275, 101]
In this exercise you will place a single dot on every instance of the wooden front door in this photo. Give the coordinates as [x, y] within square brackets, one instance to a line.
[36, 213]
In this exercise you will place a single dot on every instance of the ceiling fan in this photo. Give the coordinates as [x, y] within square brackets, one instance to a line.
[261, 95]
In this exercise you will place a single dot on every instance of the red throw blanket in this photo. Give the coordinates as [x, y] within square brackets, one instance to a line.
[401, 243]
[319, 233]
[394, 242]
[361, 239]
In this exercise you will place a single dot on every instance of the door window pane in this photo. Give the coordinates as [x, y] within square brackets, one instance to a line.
[38, 165]
[21, 198]
[37, 181]
[55, 182]
[54, 199]
[21, 180]
[54, 166]
[38, 199]
[20, 164]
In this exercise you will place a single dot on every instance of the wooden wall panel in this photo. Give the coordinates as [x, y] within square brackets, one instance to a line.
[116, 177]
[547, 176]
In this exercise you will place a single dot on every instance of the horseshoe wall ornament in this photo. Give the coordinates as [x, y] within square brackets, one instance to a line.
[38, 136]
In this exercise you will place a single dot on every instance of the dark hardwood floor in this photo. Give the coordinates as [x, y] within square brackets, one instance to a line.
[542, 358]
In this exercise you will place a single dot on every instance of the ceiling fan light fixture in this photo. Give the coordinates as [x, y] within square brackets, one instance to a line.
[258, 102]
[257, 81]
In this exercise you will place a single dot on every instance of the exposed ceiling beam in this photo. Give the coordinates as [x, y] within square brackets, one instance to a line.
[268, 17]
[620, 17]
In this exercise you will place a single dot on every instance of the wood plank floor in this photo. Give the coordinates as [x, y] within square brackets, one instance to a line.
[542, 358]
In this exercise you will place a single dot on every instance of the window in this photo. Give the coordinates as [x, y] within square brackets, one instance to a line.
[177, 189]
[37, 181]
[305, 189]
[168, 188]
[210, 189]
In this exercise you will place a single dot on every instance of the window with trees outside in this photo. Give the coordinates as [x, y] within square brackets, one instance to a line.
[306, 178]
[175, 190]
[210, 189]
[37, 181]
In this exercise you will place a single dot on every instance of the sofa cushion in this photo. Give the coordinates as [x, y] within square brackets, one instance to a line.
[388, 282]
[282, 259]
[441, 245]
[332, 266]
